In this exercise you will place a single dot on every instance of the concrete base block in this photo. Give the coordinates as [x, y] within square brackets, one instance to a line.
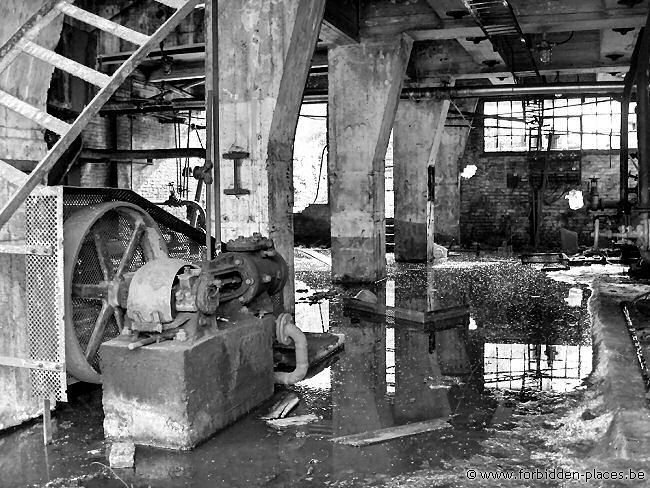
[176, 394]
[122, 455]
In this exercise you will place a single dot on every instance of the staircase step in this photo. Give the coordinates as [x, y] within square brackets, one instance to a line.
[65, 64]
[34, 114]
[102, 23]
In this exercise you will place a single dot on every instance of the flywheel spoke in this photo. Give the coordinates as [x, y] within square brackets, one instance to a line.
[131, 247]
[102, 255]
[98, 332]
[118, 313]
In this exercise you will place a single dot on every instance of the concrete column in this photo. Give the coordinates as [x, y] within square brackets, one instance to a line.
[265, 50]
[447, 179]
[417, 134]
[29, 80]
[365, 81]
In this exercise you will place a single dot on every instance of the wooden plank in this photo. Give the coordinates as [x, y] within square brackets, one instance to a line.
[383, 435]
[34, 114]
[68, 65]
[29, 31]
[172, 3]
[91, 111]
[293, 421]
[102, 23]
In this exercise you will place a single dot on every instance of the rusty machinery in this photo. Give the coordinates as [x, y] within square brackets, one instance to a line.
[121, 279]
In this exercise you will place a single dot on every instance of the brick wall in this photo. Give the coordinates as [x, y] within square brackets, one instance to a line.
[492, 212]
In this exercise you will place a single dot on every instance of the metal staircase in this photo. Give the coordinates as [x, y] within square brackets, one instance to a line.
[23, 42]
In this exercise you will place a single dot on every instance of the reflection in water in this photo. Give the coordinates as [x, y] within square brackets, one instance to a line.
[558, 368]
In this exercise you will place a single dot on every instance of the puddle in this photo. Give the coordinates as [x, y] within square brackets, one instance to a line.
[527, 341]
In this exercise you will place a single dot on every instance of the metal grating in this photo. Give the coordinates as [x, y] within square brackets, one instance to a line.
[44, 293]
[498, 21]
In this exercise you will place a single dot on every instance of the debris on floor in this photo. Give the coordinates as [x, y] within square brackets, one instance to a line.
[390, 433]
[122, 455]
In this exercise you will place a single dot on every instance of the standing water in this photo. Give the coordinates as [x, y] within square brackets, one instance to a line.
[522, 352]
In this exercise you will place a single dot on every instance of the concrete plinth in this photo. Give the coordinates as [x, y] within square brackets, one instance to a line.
[364, 86]
[176, 394]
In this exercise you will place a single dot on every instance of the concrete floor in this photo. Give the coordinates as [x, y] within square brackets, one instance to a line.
[556, 417]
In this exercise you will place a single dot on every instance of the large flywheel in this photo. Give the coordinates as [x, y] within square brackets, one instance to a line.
[103, 246]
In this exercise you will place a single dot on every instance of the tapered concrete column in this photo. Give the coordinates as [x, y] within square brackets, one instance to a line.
[365, 81]
[417, 133]
[265, 50]
[447, 190]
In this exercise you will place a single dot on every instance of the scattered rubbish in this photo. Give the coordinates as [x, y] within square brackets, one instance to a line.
[382, 435]
[293, 421]
[574, 299]
[283, 406]
[122, 455]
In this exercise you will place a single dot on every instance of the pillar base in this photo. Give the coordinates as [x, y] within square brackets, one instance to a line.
[175, 394]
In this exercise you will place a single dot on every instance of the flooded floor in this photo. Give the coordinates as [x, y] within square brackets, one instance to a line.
[509, 379]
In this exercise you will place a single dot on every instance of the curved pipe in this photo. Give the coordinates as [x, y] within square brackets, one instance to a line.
[286, 330]
[187, 203]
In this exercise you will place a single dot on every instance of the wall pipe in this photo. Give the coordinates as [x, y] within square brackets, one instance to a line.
[625, 114]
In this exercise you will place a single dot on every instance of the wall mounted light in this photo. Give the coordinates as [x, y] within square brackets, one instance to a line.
[544, 50]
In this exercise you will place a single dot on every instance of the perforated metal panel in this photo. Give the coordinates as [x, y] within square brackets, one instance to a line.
[44, 293]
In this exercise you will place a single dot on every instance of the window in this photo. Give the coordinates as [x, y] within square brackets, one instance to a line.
[571, 123]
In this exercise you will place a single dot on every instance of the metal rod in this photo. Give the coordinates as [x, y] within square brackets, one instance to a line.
[216, 159]
[208, 187]
[47, 422]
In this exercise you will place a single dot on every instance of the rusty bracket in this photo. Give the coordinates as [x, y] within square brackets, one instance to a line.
[21, 248]
[236, 157]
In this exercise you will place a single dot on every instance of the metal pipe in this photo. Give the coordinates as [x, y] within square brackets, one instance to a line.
[216, 159]
[493, 91]
[643, 122]
[195, 206]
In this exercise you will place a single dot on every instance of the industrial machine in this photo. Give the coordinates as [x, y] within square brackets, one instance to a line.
[140, 273]
[183, 346]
